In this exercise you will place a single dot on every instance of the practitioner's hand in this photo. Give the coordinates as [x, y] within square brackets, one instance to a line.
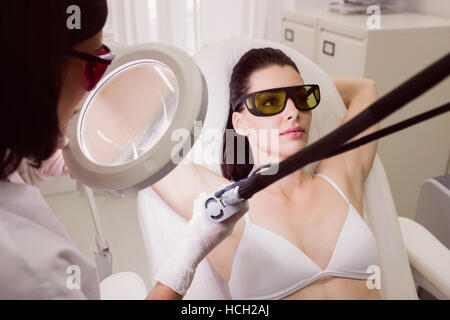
[206, 233]
[202, 236]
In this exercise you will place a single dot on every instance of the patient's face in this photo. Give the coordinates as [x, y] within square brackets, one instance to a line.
[273, 77]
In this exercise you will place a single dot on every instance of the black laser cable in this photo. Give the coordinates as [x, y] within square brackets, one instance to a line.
[380, 109]
[384, 132]
[391, 129]
[366, 139]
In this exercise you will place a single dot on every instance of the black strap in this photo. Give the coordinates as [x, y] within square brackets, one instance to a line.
[333, 143]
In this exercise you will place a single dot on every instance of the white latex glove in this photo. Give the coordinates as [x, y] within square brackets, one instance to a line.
[202, 237]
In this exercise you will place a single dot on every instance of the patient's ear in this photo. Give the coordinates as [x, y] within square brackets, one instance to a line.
[239, 123]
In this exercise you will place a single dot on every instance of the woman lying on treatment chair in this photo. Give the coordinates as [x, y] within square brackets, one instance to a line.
[304, 236]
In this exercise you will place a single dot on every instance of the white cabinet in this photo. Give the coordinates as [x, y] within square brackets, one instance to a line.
[56, 185]
[301, 36]
[406, 43]
[339, 54]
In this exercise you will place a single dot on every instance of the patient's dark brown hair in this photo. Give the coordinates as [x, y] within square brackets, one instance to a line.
[251, 61]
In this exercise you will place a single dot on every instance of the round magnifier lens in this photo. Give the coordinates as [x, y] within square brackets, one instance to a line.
[129, 113]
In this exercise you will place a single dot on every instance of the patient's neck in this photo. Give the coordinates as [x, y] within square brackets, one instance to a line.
[289, 187]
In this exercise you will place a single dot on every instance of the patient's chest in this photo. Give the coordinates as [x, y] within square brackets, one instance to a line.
[312, 223]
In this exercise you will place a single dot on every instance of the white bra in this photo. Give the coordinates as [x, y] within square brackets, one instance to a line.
[268, 266]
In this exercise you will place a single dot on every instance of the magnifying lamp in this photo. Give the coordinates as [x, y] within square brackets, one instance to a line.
[121, 140]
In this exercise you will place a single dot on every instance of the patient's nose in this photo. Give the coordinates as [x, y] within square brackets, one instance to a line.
[291, 111]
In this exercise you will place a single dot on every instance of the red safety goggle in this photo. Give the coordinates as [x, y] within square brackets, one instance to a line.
[95, 66]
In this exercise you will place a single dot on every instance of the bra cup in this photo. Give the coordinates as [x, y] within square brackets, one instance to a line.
[356, 249]
[266, 263]
[268, 266]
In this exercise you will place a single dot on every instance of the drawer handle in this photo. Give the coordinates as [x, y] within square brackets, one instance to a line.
[328, 48]
[289, 35]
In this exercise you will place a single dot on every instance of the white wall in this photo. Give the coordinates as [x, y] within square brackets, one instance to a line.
[311, 3]
[432, 7]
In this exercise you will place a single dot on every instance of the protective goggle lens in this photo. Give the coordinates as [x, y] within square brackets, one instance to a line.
[94, 71]
[270, 102]
[306, 98]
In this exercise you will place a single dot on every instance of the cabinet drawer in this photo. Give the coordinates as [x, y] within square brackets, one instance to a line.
[340, 55]
[300, 37]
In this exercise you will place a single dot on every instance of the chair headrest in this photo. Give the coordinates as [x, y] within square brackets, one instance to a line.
[216, 61]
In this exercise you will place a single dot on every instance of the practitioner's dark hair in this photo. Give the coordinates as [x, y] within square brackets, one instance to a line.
[35, 39]
[253, 60]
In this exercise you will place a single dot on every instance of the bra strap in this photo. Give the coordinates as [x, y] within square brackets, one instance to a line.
[334, 185]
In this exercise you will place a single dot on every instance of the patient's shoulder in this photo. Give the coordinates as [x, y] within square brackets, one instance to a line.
[338, 172]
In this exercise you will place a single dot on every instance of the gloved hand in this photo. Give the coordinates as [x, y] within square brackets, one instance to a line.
[202, 237]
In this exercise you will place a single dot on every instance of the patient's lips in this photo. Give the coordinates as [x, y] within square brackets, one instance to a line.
[293, 132]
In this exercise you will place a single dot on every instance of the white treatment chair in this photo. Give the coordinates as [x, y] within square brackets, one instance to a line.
[163, 228]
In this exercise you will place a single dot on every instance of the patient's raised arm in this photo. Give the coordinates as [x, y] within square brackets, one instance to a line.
[183, 184]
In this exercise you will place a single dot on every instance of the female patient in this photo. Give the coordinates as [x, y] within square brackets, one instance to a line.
[304, 236]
